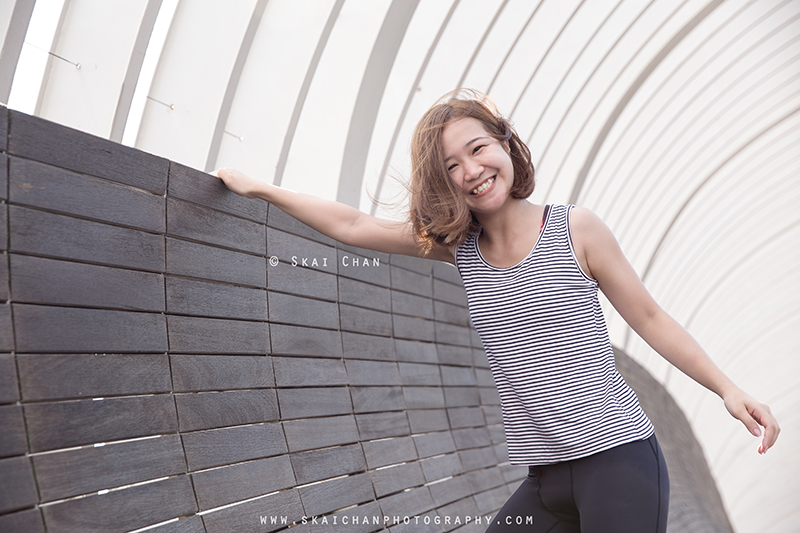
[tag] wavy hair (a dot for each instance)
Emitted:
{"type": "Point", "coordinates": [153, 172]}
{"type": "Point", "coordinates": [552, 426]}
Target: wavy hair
{"type": "Point", "coordinates": [438, 211]}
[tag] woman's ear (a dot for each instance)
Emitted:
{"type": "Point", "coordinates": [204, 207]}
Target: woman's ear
{"type": "Point", "coordinates": [507, 146]}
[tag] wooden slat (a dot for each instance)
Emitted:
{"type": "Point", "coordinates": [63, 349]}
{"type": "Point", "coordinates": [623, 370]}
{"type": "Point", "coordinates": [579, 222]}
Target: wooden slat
{"type": "Point", "coordinates": [247, 517]}
{"type": "Point", "coordinates": [205, 449]}
{"type": "Point", "coordinates": [432, 444]}
{"type": "Point", "coordinates": [328, 462]}
{"type": "Point", "coordinates": [55, 189]}
{"type": "Point", "coordinates": [457, 375]}
{"type": "Point", "coordinates": [220, 372]}
{"type": "Point", "coordinates": [377, 399]}
{"type": "Point", "coordinates": [54, 377]}
{"type": "Point", "coordinates": [73, 472]}
{"type": "Point", "coordinates": [221, 486]}
{"type": "Point", "coordinates": [424, 397]}
{"type": "Point", "coordinates": [461, 396]}
{"type": "Point", "coordinates": [419, 374]}
{"type": "Point", "coordinates": [13, 440]}
{"type": "Point", "coordinates": [411, 282]}
{"type": "Point", "coordinates": [404, 303]}
{"type": "Point", "coordinates": [206, 225]}
{"type": "Point", "coordinates": [362, 294]}
{"type": "Point", "coordinates": [42, 233]}
{"type": "Point", "coordinates": [440, 467]}
{"type": "Point", "coordinates": [455, 355]}
{"type": "Point", "coordinates": [308, 434]}
{"type": "Point", "coordinates": [382, 425]}
{"type": "Point", "coordinates": [427, 420]}
{"type": "Point", "coordinates": [62, 424]}
{"type": "Point", "coordinates": [464, 417]}
{"type": "Point", "coordinates": [18, 489]}
{"type": "Point", "coordinates": [64, 329]}
{"type": "Point", "coordinates": [41, 140]}
{"type": "Point", "coordinates": [479, 458]}
{"type": "Point", "coordinates": [6, 329]}
{"type": "Point", "coordinates": [389, 451]}
{"type": "Point", "coordinates": [204, 189]}
{"type": "Point", "coordinates": [50, 281]}
{"type": "Point", "coordinates": [372, 372]}
{"type": "Point", "coordinates": [472, 438]}
{"type": "Point", "coordinates": [448, 292]}
{"type": "Point", "coordinates": [123, 510]}
{"type": "Point", "coordinates": [3, 226]}
{"type": "Point", "coordinates": [334, 494]}
{"type": "Point", "coordinates": [308, 371]}
{"type": "Point", "coordinates": [9, 388]}
{"type": "Point", "coordinates": [415, 352]}
{"type": "Point", "coordinates": [452, 334]}
{"type": "Point", "coordinates": [449, 491]}
{"type": "Point", "coordinates": [308, 402]}
{"type": "Point", "coordinates": [361, 346]}
{"type": "Point", "coordinates": [453, 314]}
{"type": "Point", "coordinates": [298, 340]}
{"type": "Point", "coordinates": [4, 276]}
{"type": "Point", "coordinates": [418, 329]}
{"type": "Point", "coordinates": [190, 297]}
{"type": "Point", "coordinates": [27, 521]}
{"type": "Point", "coordinates": [208, 410]}
{"type": "Point", "coordinates": [211, 335]}
{"type": "Point", "coordinates": [212, 263]}
{"type": "Point", "coordinates": [189, 524]}
{"type": "Point", "coordinates": [289, 309]}
{"type": "Point", "coordinates": [363, 320]}
{"type": "Point", "coordinates": [447, 272]}
{"type": "Point", "coordinates": [396, 479]}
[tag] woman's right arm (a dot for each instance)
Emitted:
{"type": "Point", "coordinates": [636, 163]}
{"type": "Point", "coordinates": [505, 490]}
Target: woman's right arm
{"type": "Point", "coordinates": [342, 222]}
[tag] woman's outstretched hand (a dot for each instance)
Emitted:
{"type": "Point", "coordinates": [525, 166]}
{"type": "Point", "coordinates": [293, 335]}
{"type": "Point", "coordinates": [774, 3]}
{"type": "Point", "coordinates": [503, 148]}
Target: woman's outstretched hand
{"type": "Point", "coordinates": [238, 182]}
{"type": "Point", "coordinates": [752, 413]}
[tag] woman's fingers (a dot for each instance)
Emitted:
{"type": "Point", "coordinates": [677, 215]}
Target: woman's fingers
{"type": "Point", "coordinates": [762, 413]}
{"type": "Point", "coordinates": [755, 415]}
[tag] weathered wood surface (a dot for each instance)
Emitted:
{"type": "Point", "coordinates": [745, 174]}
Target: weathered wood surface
{"type": "Point", "coordinates": [157, 368]}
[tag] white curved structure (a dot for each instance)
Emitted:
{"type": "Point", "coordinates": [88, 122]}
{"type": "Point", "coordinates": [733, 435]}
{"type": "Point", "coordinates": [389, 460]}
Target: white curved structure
{"type": "Point", "coordinates": [677, 121]}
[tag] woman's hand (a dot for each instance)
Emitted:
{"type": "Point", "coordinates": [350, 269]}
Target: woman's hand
{"type": "Point", "coordinates": [238, 182]}
{"type": "Point", "coordinates": [753, 414]}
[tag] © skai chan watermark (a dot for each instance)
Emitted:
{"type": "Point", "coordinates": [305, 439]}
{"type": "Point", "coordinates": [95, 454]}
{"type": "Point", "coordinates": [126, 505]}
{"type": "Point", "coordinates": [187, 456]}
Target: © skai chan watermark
{"type": "Point", "coordinates": [347, 261]}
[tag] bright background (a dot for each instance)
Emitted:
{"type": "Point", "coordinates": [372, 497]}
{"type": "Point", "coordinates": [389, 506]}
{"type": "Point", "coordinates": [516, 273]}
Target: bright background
{"type": "Point", "coordinates": [677, 121]}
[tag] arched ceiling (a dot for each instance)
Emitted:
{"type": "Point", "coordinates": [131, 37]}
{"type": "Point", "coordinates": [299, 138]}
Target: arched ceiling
{"type": "Point", "coordinates": [677, 121]}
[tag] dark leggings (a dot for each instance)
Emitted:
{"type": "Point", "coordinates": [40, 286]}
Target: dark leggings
{"type": "Point", "coordinates": [624, 489]}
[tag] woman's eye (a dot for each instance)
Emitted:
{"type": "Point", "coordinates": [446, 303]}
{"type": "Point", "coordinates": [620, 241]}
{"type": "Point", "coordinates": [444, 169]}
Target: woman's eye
{"type": "Point", "coordinates": [478, 148]}
{"type": "Point", "coordinates": [451, 167]}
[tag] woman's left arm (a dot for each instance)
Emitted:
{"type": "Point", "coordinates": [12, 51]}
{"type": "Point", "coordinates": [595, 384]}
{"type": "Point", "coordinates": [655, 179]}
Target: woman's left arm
{"type": "Point", "coordinates": [601, 257]}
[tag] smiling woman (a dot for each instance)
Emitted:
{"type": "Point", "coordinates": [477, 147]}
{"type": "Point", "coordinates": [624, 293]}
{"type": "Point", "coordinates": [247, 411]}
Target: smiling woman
{"type": "Point", "coordinates": [594, 462]}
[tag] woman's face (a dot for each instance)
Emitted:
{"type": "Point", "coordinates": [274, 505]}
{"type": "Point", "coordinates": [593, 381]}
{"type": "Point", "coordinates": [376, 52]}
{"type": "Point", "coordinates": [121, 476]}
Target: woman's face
{"type": "Point", "coordinates": [478, 164]}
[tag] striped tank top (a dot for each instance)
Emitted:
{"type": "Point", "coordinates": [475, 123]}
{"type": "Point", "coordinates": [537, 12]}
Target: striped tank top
{"type": "Point", "coordinates": [548, 347]}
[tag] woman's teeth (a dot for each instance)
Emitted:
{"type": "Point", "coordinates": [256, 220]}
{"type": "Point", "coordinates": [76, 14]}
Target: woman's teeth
{"type": "Point", "coordinates": [484, 186]}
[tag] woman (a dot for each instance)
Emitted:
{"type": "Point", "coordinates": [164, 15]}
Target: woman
{"type": "Point", "coordinates": [531, 274]}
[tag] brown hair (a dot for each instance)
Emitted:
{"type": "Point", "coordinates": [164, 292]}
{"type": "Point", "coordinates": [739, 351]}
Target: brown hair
{"type": "Point", "coordinates": [438, 210]}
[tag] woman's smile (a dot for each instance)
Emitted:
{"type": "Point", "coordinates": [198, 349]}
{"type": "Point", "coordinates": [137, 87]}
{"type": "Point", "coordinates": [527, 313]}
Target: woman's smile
{"type": "Point", "coordinates": [483, 187]}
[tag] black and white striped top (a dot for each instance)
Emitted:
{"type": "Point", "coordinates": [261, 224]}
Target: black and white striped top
{"type": "Point", "coordinates": [547, 343]}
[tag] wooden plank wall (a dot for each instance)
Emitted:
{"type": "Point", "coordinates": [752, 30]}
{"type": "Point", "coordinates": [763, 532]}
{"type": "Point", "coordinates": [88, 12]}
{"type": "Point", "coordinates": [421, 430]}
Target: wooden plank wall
{"type": "Point", "coordinates": [156, 365]}
{"type": "Point", "coordinates": [158, 371]}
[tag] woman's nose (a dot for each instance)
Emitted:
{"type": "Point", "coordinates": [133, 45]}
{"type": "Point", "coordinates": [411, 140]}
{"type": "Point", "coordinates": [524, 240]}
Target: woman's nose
{"type": "Point", "coordinates": [473, 170]}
